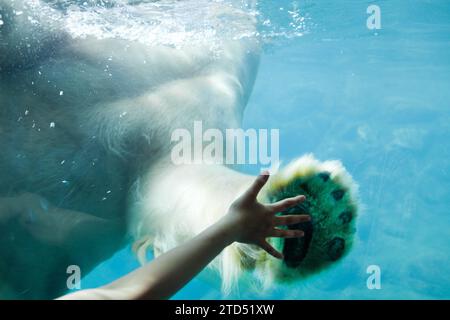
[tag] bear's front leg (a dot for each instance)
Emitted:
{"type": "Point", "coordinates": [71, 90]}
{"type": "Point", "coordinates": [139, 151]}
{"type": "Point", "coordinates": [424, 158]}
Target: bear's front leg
{"type": "Point", "coordinates": [174, 203]}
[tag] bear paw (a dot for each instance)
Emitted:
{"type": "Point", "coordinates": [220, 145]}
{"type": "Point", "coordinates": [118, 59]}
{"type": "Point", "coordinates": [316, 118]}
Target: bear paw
{"type": "Point", "coordinates": [332, 203]}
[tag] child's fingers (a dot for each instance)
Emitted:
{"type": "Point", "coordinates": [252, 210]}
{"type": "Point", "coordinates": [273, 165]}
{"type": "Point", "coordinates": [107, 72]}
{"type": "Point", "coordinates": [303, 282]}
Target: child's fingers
{"type": "Point", "coordinates": [291, 219]}
{"type": "Point", "coordinates": [270, 250]}
{"type": "Point", "coordinates": [286, 203]}
{"type": "Point", "coordinates": [257, 185]}
{"type": "Point", "coordinates": [279, 233]}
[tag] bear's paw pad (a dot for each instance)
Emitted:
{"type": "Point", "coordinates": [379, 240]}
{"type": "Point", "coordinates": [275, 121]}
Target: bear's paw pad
{"type": "Point", "coordinates": [331, 201]}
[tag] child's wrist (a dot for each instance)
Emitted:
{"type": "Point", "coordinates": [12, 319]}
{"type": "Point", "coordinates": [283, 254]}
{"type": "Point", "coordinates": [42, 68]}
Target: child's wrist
{"type": "Point", "coordinates": [228, 228]}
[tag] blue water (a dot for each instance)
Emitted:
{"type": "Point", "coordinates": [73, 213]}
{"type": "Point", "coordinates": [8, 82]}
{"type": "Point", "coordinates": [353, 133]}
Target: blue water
{"type": "Point", "coordinates": [379, 100]}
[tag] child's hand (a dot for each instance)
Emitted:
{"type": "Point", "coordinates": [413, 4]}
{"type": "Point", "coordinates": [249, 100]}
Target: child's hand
{"type": "Point", "coordinates": [252, 222]}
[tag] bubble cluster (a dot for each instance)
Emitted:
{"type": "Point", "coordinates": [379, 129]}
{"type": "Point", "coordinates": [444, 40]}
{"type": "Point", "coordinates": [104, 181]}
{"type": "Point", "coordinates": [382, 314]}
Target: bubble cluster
{"type": "Point", "coordinates": [169, 23]}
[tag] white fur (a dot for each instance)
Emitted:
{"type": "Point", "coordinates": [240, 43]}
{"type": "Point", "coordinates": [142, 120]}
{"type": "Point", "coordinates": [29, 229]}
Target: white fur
{"type": "Point", "coordinates": [146, 93]}
{"type": "Point", "coordinates": [120, 95]}
{"type": "Point", "coordinates": [174, 203]}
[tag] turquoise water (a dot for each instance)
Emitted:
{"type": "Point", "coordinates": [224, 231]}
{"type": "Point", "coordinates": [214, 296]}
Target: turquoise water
{"type": "Point", "coordinates": [379, 100]}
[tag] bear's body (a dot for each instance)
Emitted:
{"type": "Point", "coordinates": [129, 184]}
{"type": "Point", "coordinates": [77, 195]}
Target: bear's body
{"type": "Point", "coordinates": [86, 117]}
{"type": "Point", "coordinates": [82, 118]}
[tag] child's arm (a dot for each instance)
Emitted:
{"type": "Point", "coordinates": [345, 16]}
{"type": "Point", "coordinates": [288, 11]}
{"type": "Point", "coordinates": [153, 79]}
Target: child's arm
{"type": "Point", "coordinates": [247, 221]}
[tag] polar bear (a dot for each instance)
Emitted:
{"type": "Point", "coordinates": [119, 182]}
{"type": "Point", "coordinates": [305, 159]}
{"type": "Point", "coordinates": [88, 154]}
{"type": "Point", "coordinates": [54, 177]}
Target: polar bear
{"type": "Point", "coordinates": [89, 97]}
